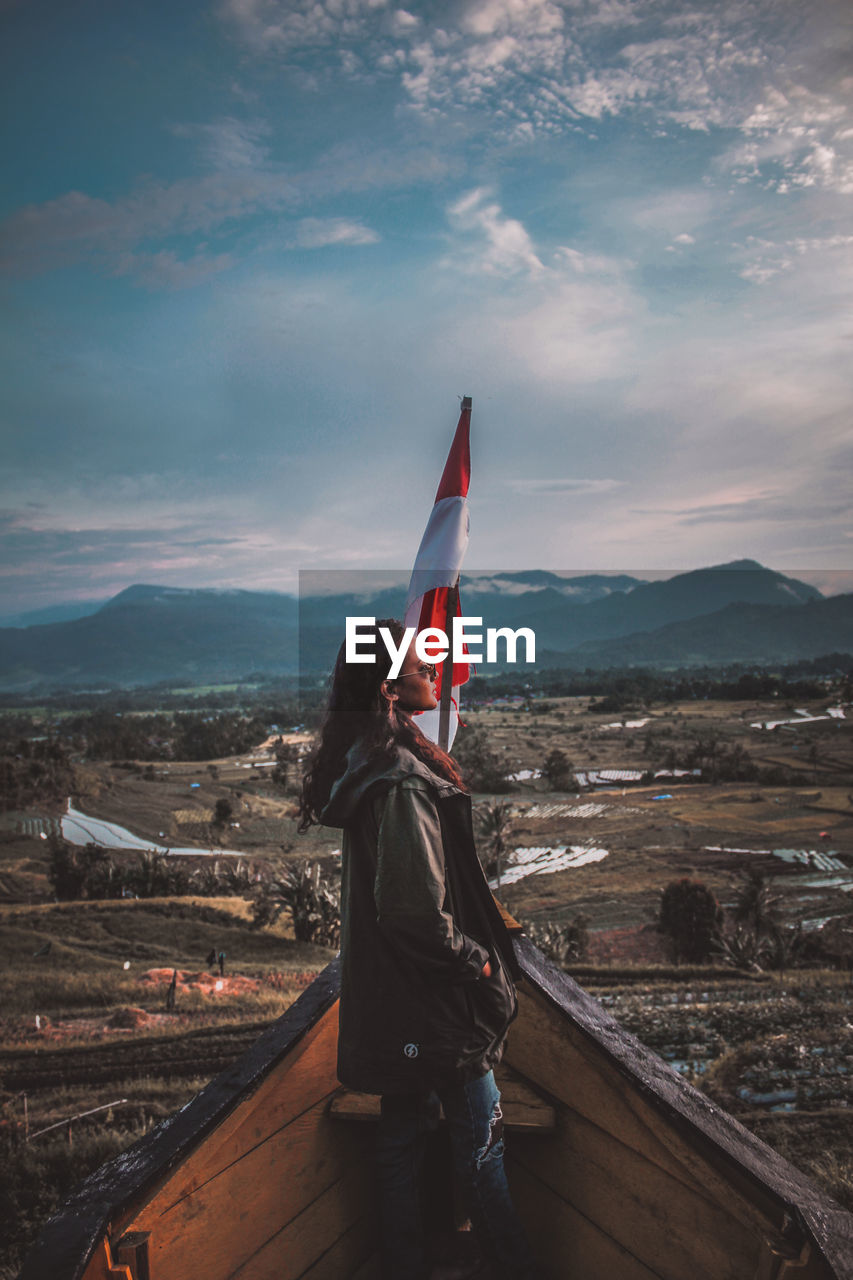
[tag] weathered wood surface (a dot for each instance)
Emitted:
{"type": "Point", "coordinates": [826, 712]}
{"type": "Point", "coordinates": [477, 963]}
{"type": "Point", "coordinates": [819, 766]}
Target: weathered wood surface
{"type": "Point", "coordinates": [652, 1110]}
{"type": "Point", "coordinates": [102, 1265]}
{"type": "Point", "coordinates": [75, 1234]}
{"type": "Point", "coordinates": [641, 1207]}
{"type": "Point", "coordinates": [524, 1110]}
{"type": "Point", "coordinates": [642, 1176]}
{"type": "Point", "coordinates": [326, 1240]}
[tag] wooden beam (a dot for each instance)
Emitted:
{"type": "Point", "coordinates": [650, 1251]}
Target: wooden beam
{"type": "Point", "coordinates": [132, 1252]}
{"type": "Point", "coordinates": [524, 1109]}
{"type": "Point", "coordinates": [447, 670]}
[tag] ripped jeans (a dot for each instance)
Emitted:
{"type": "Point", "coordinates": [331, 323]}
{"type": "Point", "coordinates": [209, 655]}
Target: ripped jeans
{"type": "Point", "coordinates": [476, 1133]}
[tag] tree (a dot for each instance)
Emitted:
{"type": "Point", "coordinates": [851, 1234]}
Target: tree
{"type": "Point", "coordinates": [482, 767]}
{"type": "Point", "coordinates": [691, 918]}
{"type": "Point", "coordinates": [755, 905]}
{"type": "Point", "coordinates": [313, 902]}
{"type": "Point", "coordinates": [557, 768]}
{"type": "Point", "coordinates": [494, 824]}
{"type": "Point", "coordinates": [287, 756]}
{"type": "Point", "coordinates": [563, 943]}
{"type": "Point", "coordinates": [223, 811]}
{"type": "Point", "coordinates": [65, 872]}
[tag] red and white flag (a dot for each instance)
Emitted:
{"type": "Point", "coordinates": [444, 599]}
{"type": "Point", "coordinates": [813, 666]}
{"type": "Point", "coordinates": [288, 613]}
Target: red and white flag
{"type": "Point", "coordinates": [439, 561]}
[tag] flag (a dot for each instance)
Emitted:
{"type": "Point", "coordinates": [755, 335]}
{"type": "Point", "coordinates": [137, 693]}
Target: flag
{"type": "Point", "coordinates": [439, 561]}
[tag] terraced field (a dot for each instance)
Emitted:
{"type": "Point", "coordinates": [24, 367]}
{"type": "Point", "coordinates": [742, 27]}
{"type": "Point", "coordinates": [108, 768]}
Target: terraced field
{"type": "Point", "coordinates": [82, 1029]}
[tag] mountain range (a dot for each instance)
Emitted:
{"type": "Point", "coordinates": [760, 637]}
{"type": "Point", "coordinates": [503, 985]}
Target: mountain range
{"type": "Point", "coordinates": [147, 634]}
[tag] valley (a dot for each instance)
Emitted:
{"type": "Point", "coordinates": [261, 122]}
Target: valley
{"type": "Point", "coordinates": [695, 789]}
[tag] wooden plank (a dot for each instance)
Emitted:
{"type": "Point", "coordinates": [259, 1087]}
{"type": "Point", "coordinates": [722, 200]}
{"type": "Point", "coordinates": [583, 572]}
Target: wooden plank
{"type": "Point", "coordinates": [228, 1217]}
{"type": "Point", "coordinates": [524, 1110]}
{"type": "Point", "coordinates": [673, 1230]}
{"type": "Point", "coordinates": [302, 1248]}
{"type": "Point", "coordinates": [132, 1250]}
{"type": "Point", "coordinates": [305, 1078]}
{"type": "Point", "coordinates": [102, 1266]}
{"type": "Point", "coordinates": [369, 1270]}
{"type": "Point", "coordinates": [730, 1161]}
{"type": "Point", "coordinates": [349, 1105]}
{"type": "Point", "coordinates": [352, 1253]}
{"type": "Point", "coordinates": [511, 923]}
{"type": "Point", "coordinates": [565, 1242]}
{"type": "Point", "coordinates": [105, 1200]}
{"type": "Point", "coordinates": [557, 1057]}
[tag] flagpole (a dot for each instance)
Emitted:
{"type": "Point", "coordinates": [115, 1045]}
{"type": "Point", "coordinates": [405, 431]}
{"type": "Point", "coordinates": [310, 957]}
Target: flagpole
{"type": "Point", "coordinates": [447, 671]}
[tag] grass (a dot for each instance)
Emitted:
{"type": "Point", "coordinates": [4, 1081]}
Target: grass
{"type": "Point", "coordinates": [37, 1177]}
{"type": "Point", "coordinates": [83, 971]}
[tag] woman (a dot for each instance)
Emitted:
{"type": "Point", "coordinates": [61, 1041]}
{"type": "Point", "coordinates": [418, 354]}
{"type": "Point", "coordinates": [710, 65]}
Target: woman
{"type": "Point", "coordinates": [426, 987]}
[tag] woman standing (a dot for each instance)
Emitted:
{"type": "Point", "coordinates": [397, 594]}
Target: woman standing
{"type": "Point", "coordinates": [427, 964]}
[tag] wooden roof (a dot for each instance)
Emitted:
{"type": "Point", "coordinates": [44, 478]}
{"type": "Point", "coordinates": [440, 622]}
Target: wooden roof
{"type": "Point", "coordinates": [69, 1239]}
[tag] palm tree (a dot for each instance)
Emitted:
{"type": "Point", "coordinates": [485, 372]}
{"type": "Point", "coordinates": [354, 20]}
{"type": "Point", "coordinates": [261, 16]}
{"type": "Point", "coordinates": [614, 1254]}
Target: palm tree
{"type": "Point", "coordinates": [756, 905]}
{"type": "Point", "coordinates": [494, 825]}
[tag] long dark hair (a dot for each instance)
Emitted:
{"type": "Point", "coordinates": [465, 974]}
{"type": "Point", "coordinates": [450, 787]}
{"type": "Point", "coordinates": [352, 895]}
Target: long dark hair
{"type": "Point", "coordinates": [360, 708]}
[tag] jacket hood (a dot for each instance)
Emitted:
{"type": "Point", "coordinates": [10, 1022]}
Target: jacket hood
{"type": "Point", "coordinates": [363, 773]}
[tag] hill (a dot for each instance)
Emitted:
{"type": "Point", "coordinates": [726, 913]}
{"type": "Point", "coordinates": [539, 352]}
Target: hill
{"type": "Point", "coordinates": [149, 634]}
{"type": "Point", "coordinates": [737, 633]}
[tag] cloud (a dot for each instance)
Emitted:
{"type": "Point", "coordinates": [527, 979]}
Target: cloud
{"type": "Point", "coordinates": [540, 67]}
{"type": "Point", "coordinates": [404, 22]}
{"type": "Point", "coordinates": [493, 243]}
{"type": "Point", "coordinates": [50, 559]}
{"type": "Point", "coordinates": [165, 270]}
{"type": "Point", "coordinates": [280, 25]}
{"type": "Point", "coordinates": [795, 138]}
{"type": "Point", "coordinates": [563, 319]}
{"type": "Point", "coordinates": [765, 258]}
{"type": "Point", "coordinates": [230, 144]}
{"type": "Point", "coordinates": [115, 235]}
{"type": "Point", "coordinates": [316, 233]}
{"type": "Point", "coordinates": [590, 263]}
{"type": "Point", "coordinates": [575, 486]}
{"type": "Point", "coordinates": [77, 225]}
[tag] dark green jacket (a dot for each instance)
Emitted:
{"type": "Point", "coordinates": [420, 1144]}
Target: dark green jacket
{"type": "Point", "coordinates": [418, 924]}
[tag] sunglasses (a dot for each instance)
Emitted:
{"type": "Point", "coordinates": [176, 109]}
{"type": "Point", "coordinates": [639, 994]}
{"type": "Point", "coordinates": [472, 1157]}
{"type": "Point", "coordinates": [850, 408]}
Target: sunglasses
{"type": "Point", "coordinates": [429, 671]}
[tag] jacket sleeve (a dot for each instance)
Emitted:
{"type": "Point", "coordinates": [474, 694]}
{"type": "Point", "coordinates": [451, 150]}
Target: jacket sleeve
{"type": "Point", "coordinates": [410, 887]}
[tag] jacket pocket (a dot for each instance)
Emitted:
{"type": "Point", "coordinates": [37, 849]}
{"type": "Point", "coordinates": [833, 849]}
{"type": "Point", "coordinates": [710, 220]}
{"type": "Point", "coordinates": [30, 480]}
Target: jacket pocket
{"type": "Point", "coordinates": [493, 1000]}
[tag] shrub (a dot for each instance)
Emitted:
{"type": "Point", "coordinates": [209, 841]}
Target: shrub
{"type": "Point", "coordinates": [312, 900]}
{"type": "Point", "coordinates": [557, 768]}
{"type": "Point", "coordinates": [222, 812]}
{"type": "Point", "coordinates": [563, 943]}
{"type": "Point", "coordinates": [691, 918]}
{"type": "Point", "coordinates": [483, 769]}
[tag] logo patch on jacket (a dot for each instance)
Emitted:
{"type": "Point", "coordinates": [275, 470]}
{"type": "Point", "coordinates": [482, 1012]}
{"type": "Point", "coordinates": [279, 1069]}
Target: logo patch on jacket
{"type": "Point", "coordinates": [411, 1050]}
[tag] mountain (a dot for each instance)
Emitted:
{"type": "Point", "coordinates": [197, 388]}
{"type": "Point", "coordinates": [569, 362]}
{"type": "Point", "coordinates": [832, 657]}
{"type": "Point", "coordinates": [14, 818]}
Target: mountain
{"type": "Point", "coordinates": [737, 633]}
{"type": "Point", "coordinates": [500, 599]}
{"type": "Point", "coordinates": [563, 626]}
{"type": "Point", "coordinates": [149, 634]}
{"type": "Point", "coordinates": [53, 613]}
{"type": "Point", "coordinates": [582, 589]}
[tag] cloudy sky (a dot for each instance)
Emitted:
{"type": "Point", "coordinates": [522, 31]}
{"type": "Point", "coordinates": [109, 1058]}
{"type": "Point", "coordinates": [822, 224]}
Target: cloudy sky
{"type": "Point", "coordinates": [253, 251]}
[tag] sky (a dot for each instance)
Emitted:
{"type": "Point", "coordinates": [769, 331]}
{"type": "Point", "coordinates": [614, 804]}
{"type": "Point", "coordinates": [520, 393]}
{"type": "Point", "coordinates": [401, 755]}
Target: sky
{"type": "Point", "coordinates": [252, 253]}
